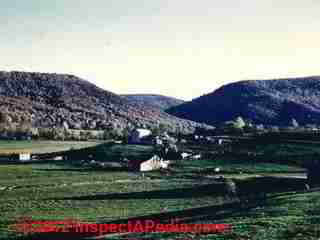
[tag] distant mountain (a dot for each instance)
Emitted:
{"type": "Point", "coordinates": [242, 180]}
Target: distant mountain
{"type": "Point", "coordinates": [155, 101]}
{"type": "Point", "coordinates": [273, 102]}
{"type": "Point", "coordinates": [50, 100]}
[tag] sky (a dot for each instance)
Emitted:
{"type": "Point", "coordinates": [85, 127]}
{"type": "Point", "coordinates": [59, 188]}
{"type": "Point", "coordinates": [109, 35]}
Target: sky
{"type": "Point", "coordinates": [179, 48]}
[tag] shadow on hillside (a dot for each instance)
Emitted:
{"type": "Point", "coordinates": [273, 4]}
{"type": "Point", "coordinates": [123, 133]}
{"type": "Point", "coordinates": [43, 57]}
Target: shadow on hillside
{"type": "Point", "coordinates": [257, 185]}
{"type": "Point", "coordinates": [247, 188]}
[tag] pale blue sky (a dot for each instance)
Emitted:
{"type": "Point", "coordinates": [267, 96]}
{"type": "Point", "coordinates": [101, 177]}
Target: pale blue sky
{"type": "Point", "coordinates": [181, 48]}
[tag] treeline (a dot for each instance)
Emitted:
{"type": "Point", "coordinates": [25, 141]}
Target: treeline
{"type": "Point", "coordinates": [58, 133]}
{"type": "Point", "coordinates": [23, 129]}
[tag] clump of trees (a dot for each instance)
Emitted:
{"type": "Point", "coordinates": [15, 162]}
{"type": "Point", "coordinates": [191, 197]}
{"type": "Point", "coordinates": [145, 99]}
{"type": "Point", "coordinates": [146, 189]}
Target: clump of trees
{"type": "Point", "coordinates": [236, 126]}
{"type": "Point", "coordinates": [239, 123]}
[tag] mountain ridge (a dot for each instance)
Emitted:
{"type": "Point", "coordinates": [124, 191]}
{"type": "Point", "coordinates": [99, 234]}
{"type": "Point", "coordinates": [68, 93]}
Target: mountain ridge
{"type": "Point", "coordinates": [273, 102]}
{"type": "Point", "coordinates": [51, 100]}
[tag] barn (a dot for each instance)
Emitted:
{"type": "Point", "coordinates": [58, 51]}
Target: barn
{"type": "Point", "coordinates": [147, 163]}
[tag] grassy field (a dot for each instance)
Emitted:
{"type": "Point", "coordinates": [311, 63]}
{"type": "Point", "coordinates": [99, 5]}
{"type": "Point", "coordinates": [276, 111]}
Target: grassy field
{"type": "Point", "coordinates": [10, 147]}
{"type": "Point", "coordinates": [275, 207]}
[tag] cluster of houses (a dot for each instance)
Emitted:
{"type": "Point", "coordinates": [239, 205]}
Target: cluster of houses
{"type": "Point", "coordinates": [144, 136]}
{"type": "Point", "coordinates": [168, 151]}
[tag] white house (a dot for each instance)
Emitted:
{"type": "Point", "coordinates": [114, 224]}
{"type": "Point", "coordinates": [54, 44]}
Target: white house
{"type": "Point", "coordinates": [24, 157]}
{"type": "Point", "coordinates": [137, 135]}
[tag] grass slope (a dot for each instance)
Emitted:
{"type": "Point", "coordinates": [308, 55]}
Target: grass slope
{"type": "Point", "coordinates": [276, 207]}
{"type": "Point", "coordinates": [9, 147]}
